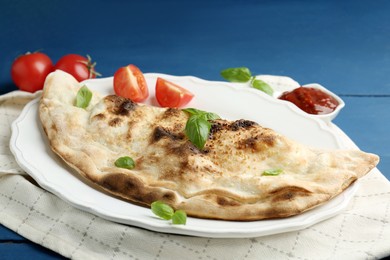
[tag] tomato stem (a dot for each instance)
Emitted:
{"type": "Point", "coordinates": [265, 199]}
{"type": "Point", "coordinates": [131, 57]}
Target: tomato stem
{"type": "Point", "coordinates": [90, 67]}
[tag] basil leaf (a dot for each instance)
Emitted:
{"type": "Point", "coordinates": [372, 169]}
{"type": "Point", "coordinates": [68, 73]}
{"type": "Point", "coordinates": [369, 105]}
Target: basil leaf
{"type": "Point", "coordinates": [197, 130]}
{"type": "Point", "coordinates": [198, 126]}
{"type": "Point", "coordinates": [162, 210]}
{"type": "Point", "coordinates": [241, 74]}
{"type": "Point", "coordinates": [179, 218]}
{"type": "Point", "coordinates": [193, 111]}
{"type": "Point", "coordinates": [125, 162]}
{"type": "Point", "coordinates": [210, 116]}
{"type": "Point", "coordinates": [261, 85]}
{"type": "Point", "coordinates": [83, 97]}
{"type": "Point", "coordinates": [272, 172]}
{"type": "Point", "coordinates": [204, 114]}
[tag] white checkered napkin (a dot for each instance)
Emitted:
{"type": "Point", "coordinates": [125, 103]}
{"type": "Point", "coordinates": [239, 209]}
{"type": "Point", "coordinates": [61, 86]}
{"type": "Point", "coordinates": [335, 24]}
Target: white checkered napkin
{"type": "Point", "coordinates": [11, 105]}
{"type": "Point", "coordinates": [361, 232]}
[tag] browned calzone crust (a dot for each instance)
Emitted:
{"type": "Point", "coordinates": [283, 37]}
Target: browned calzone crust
{"type": "Point", "coordinates": [223, 181]}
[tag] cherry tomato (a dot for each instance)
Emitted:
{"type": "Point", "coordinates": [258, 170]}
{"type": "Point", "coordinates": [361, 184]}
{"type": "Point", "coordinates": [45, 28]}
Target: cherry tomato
{"type": "Point", "coordinates": [169, 94]}
{"type": "Point", "coordinates": [129, 82]}
{"type": "Point", "coordinates": [78, 66]}
{"type": "Point", "coordinates": [29, 71]}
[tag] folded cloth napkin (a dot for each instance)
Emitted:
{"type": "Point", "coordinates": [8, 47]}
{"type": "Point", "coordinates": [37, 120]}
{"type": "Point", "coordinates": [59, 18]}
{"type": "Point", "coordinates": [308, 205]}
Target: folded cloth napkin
{"type": "Point", "coordinates": [362, 231]}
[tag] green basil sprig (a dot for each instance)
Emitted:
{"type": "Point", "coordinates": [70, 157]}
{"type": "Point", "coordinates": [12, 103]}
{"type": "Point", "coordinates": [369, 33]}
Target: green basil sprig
{"type": "Point", "coordinates": [179, 217]}
{"type": "Point", "coordinates": [261, 85]}
{"type": "Point", "coordinates": [197, 112]}
{"type": "Point", "coordinates": [125, 162]}
{"type": "Point", "coordinates": [164, 211]}
{"type": "Point", "coordinates": [83, 97]}
{"type": "Point", "coordinates": [242, 75]}
{"type": "Point", "coordinates": [197, 130]}
{"type": "Point", "coordinates": [198, 126]}
{"type": "Point", "coordinates": [272, 172]}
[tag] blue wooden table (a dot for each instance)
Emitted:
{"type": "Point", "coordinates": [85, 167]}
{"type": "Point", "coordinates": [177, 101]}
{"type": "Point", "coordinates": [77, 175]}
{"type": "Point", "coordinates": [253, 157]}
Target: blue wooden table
{"type": "Point", "coordinates": [343, 45]}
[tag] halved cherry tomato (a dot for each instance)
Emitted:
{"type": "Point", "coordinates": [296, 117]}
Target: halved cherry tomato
{"type": "Point", "coordinates": [129, 82]}
{"type": "Point", "coordinates": [169, 94]}
{"type": "Point", "coordinates": [29, 71]}
{"type": "Point", "coordinates": [78, 66]}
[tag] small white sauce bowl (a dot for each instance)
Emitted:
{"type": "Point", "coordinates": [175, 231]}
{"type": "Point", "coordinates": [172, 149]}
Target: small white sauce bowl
{"type": "Point", "coordinates": [281, 84]}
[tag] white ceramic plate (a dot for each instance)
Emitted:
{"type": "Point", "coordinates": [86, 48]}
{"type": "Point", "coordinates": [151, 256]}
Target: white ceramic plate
{"type": "Point", "coordinates": [32, 152]}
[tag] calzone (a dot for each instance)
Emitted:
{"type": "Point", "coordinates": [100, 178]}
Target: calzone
{"type": "Point", "coordinates": [244, 172]}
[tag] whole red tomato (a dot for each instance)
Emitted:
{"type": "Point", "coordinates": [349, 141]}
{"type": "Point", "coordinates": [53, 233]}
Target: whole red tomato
{"type": "Point", "coordinates": [78, 66]}
{"type": "Point", "coordinates": [29, 71]}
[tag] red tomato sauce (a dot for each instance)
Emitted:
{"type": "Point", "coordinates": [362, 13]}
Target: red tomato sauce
{"type": "Point", "coordinates": [311, 100]}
